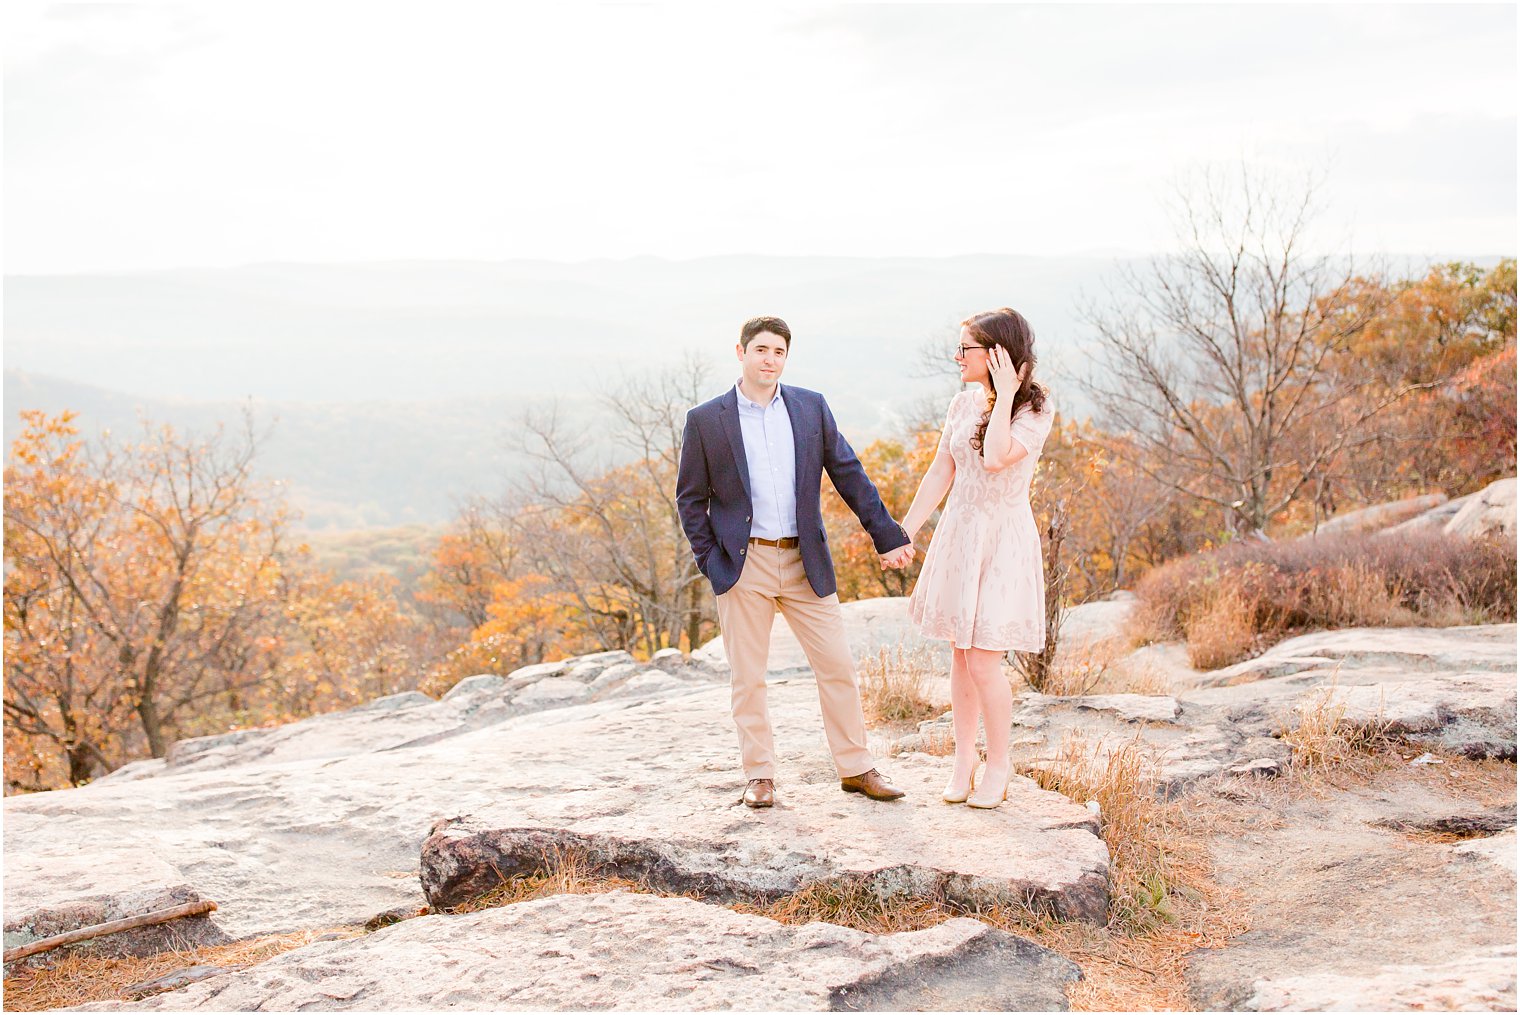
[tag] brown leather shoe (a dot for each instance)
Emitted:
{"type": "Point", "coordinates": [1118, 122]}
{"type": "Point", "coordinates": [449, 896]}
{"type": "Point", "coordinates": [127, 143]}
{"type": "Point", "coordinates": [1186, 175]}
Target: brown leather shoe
{"type": "Point", "coordinates": [760, 793]}
{"type": "Point", "coordinates": [872, 785]}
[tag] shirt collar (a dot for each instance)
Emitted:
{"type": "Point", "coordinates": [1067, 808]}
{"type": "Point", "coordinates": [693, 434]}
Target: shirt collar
{"type": "Point", "coordinates": [745, 400]}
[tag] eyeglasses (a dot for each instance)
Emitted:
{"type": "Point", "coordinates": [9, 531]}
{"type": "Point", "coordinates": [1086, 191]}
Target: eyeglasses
{"type": "Point", "coordinates": [961, 349]}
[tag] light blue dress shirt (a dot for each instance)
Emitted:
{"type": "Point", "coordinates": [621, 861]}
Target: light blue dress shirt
{"type": "Point", "coordinates": [772, 459]}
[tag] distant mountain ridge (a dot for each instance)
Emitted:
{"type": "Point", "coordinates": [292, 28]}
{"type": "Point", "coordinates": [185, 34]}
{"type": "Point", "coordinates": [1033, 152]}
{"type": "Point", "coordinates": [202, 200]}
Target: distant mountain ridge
{"type": "Point", "coordinates": [396, 385]}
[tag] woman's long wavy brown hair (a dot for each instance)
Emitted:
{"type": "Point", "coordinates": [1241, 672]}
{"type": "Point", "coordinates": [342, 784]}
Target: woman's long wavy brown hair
{"type": "Point", "coordinates": [1008, 328]}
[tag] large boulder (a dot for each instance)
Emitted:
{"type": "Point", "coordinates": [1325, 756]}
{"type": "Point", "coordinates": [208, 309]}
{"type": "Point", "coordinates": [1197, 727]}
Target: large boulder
{"type": "Point", "coordinates": [1380, 516]}
{"type": "Point", "coordinates": [622, 952]}
{"type": "Point", "coordinates": [1490, 511]}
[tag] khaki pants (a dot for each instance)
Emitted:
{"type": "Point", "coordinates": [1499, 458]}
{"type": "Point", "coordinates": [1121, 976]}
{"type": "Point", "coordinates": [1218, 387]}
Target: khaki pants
{"type": "Point", "coordinates": [773, 578]}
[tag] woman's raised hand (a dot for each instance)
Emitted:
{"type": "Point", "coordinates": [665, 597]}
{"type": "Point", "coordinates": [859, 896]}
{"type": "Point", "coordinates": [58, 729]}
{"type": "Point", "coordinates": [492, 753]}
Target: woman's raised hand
{"type": "Point", "coordinates": [1004, 377]}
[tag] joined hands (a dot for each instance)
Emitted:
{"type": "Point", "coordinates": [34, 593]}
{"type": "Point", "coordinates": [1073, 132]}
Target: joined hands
{"type": "Point", "coordinates": [897, 559]}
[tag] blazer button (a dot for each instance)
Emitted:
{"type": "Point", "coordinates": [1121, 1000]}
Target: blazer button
{"type": "Point", "coordinates": [741, 552]}
{"type": "Point", "coordinates": [746, 517]}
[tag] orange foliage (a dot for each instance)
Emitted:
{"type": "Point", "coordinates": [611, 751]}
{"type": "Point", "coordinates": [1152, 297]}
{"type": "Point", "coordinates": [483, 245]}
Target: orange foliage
{"type": "Point", "coordinates": [148, 597]}
{"type": "Point", "coordinates": [896, 469]}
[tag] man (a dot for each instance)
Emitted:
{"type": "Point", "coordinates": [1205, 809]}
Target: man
{"type": "Point", "coordinates": [752, 463]}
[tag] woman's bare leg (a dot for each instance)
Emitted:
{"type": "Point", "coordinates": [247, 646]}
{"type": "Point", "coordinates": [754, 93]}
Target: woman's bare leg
{"type": "Point", "coordinates": [996, 699]}
{"type": "Point", "coordinates": [964, 711]}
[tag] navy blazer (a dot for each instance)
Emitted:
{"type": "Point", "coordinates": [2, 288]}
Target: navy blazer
{"type": "Point", "coordinates": [712, 488]}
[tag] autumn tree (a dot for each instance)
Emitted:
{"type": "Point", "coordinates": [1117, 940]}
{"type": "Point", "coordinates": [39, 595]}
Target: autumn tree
{"type": "Point", "coordinates": [1450, 335]}
{"type": "Point", "coordinates": [337, 643]}
{"type": "Point", "coordinates": [151, 594]}
{"type": "Point", "coordinates": [895, 466]}
{"type": "Point", "coordinates": [1216, 362]}
{"type": "Point", "coordinates": [469, 562]}
{"type": "Point", "coordinates": [156, 561]}
{"type": "Point", "coordinates": [609, 535]}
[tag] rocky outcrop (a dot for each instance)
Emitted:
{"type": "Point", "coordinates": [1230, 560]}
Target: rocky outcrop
{"type": "Point", "coordinates": [1481, 982]}
{"type": "Point", "coordinates": [675, 819]}
{"type": "Point", "coordinates": [1451, 688]}
{"type": "Point", "coordinates": [412, 719]}
{"type": "Point", "coordinates": [290, 843]}
{"type": "Point", "coordinates": [1446, 688]}
{"type": "Point", "coordinates": [636, 952]}
{"type": "Point", "coordinates": [1489, 512]}
{"type": "Point", "coordinates": [1186, 742]}
{"type": "Point", "coordinates": [1388, 654]}
{"type": "Point", "coordinates": [1380, 516]}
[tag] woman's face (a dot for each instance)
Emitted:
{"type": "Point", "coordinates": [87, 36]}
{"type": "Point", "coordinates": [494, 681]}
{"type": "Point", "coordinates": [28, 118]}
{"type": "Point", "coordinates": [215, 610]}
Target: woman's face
{"type": "Point", "coordinates": [971, 356]}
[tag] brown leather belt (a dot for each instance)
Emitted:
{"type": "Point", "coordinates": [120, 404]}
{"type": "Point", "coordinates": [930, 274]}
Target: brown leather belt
{"type": "Point", "coordinates": [786, 542]}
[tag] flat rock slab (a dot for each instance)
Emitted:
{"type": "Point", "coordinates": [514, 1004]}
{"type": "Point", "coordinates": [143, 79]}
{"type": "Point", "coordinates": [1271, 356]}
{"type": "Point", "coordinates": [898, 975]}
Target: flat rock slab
{"type": "Point", "coordinates": [1392, 653]}
{"type": "Point", "coordinates": [1498, 850]}
{"type": "Point", "coordinates": [317, 843]}
{"type": "Point", "coordinates": [679, 823]}
{"type": "Point", "coordinates": [1186, 743]}
{"type": "Point", "coordinates": [1480, 982]}
{"type": "Point", "coordinates": [409, 719]}
{"type": "Point", "coordinates": [1347, 911]}
{"type": "Point", "coordinates": [638, 952]}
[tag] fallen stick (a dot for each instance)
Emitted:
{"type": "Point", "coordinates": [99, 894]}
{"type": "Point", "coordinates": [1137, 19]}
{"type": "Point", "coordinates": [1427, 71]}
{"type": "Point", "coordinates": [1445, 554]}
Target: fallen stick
{"type": "Point", "coordinates": [47, 944]}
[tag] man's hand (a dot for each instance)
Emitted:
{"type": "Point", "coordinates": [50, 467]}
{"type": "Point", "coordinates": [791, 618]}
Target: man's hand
{"type": "Point", "coordinates": [898, 558]}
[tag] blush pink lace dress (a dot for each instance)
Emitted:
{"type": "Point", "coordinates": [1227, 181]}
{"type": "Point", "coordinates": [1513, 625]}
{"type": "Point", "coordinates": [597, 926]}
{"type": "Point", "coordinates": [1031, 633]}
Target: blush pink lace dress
{"type": "Point", "coordinates": [983, 580]}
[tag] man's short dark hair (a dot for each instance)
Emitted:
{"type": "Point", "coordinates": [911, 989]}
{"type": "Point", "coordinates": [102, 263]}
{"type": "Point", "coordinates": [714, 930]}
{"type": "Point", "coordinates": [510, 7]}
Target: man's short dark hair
{"type": "Point", "coordinates": [774, 325]}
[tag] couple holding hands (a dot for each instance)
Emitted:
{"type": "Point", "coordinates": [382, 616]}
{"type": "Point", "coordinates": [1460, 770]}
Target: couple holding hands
{"type": "Point", "coordinates": [748, 491]}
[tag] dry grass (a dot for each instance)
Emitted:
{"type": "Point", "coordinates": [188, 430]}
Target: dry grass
{"type": "Point", "coordinates": [895, 685]}
{"type": "Point", "coordinates": [79, 979]}
{"type": "Point", "coordinates": [939, 741]}
{"type": "Point", "coordinates": [852, 903]}
{"type": "Point", "coordinates": [1146, 872]}
{"type": "Point", "coordinates": [1323, 738]}
{"type": "Point", "coordinates": [1236, 601]}
{"type": "Point", "coordinates": [1221, 632]}
{"type": "Point", "coordinates": [1130, 677]}
{"type": "Point", "coordinates": [1075, 670]}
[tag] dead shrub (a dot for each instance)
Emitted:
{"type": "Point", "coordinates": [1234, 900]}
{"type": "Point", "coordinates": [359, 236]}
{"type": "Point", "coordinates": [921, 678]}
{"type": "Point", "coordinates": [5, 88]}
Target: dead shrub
{"type": "Point", "coordinates": [1244, 597]}
{"type": "Point", "coordinates": [1141, 830]}
{"type": "Point", "coordinates": [1323, 738]}
{"type": "Point", "coordinates": [894, 685]}
{"type": "Point", "coordinates": [1221, 632]}
{"type": "Point", "coordinates": [938, 741]}
{"type": "Point", "coordinates": [853, 903]}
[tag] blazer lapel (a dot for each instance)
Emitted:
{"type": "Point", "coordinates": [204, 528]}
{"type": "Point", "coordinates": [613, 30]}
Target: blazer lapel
{"type": "Point", "coordinates": [800, 446]}
{"type": "Point", "coordinates": [729, 414]}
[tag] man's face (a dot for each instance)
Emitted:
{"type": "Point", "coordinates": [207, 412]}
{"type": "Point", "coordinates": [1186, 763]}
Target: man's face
{"type": "Point", "coordinates": [763, 359]}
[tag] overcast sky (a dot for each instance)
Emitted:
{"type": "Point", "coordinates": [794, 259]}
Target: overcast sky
{"type": "Point", "coordinates": [226, 133]}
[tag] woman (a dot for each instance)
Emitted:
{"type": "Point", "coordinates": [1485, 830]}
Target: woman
{"type": "Point", "coordinates": [983, 582]}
